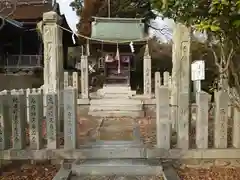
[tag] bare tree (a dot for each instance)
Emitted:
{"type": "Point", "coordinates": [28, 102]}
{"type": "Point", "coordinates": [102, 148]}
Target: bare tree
{"type": "Point", "coordinates": [7, 7]}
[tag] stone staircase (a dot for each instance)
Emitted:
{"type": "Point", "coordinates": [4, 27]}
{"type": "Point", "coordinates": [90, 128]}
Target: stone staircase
{"type": "Point", "coordinates": [116, 107]}
{"type": "Point", "coordinates": [116, 91]}
{"type": "Point", "coordinates": [115, 101]}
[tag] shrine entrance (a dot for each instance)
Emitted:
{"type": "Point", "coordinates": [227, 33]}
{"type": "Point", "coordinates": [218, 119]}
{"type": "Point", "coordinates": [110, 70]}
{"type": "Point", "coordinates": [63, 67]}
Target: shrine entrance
{"type": "Point", "coordinates": [117, 70]}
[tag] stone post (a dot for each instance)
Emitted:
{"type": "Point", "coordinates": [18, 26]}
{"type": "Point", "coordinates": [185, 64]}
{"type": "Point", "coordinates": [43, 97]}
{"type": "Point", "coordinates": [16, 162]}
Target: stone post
{"type": "Point", "coordinates": [236, 128]}
{"type": "Point", "coordinates": [66, 79]}
{"type": "Point", "coordinates": [183, 122]}
{"type": "Point", "coordinates": [75, 81]}
{"type": "Point", "coordinates": [202, 120]}
{"type": "Point", "coordinates": [5, 122]}
{"type": "Point", "coordinates": [53, 57]}
{"type": "Point", "coordinates": [166, 79]}
{"type": "Point", "coordinates": [70, 118]}
{"type": "Point", "coordinates": [17, 112]}
{"type": "Point", "coordinates": [147, 73]}
{"type": "Point", "coordinates": [157, 81]}
{"type": "Point", "coordinates": [52, 121]}
{"type": "Point", "coordinates": [84, 77]}
{"type": "Point", "coordinates": [35, 100]}
{"type": "Point", "coordinates": [181, 66]}
{"type": "Point", "coordinates": [221, 119]}
{"type": "Point", "coordinates": [162, 117]}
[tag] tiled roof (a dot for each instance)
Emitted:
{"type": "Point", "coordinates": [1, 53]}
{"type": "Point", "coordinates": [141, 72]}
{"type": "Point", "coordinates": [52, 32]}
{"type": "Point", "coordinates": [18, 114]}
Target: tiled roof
{"type": "Point", "coordinates": [27, 9]}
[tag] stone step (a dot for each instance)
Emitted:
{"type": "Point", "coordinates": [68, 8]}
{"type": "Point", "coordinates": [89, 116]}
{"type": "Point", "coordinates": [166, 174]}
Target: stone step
{"type": "Point", "coordinates": [118, 87]}
{"type": "Point", "coordinates": [138, 167]}
{"type": "Point", "coordinates": [113, 144]}
{"type": "Point", "coordinates": [120, 107]}
{"type": "Point", "coordinates": [132, 114]}
{"type": "Point", "coordinates": [116, 101]}
{"type": "Point", "coordinates": [118, 95]}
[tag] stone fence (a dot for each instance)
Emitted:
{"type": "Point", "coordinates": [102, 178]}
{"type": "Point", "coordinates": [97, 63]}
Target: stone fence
{"type": "Point", "coordinates": [13, 125]}
{"type": "Point", "coordinates": [222, 119]}
{"type": "Point", "coordinates": [14, 114]}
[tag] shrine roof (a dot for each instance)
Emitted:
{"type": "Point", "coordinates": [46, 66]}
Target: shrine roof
{"type": "Point", "coordinates": [27, 9]}
{"type": "Point", "coordinates": [117, 29]}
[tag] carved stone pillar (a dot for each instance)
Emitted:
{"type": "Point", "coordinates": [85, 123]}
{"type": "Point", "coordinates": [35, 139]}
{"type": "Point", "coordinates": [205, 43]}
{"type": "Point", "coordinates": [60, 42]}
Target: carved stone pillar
{"type": "Point", "coordinates": [53, 57]}
{"type": "Point", "coordinates": [181, 67]}
{"type": "Point", "coordinates": [84, 77]}
{"type": "Point", "coordinates": [147, 70]}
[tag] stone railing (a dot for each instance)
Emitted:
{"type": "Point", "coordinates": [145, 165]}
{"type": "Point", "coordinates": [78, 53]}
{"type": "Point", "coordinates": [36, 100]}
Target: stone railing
{"type": "Point", "coordinates": [14, 114]}
{"type": "Point", "coordinates": [204, 122]}
{"type": "Point", "coordinates": [14, 144]}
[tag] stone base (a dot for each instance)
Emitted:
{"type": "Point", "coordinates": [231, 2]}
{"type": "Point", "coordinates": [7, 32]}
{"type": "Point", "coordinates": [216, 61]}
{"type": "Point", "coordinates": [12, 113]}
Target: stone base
{"type": "Point", "coordinates": [116, 107]}
{"type": "Point", "coordinates": [116, 91]}
{"type": "Point", "coordinates": [117, 167]}
{"type": "Point", "coordinates": [116, 114]}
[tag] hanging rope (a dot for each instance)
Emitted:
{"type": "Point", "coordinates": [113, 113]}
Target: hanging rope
{"type": "Point", "coordinates": [109, 9]}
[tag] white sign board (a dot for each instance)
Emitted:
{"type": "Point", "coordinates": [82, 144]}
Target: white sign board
{"type": "Point", "coordinates": [198, 70]}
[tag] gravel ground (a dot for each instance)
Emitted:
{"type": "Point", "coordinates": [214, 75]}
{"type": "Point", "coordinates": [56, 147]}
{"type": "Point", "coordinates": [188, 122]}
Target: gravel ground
{"type": "Point", "coordinates": [215, 173]}
{"type": "Point", "coordinates": [17, 171]}
{"type": "Point", "coordinates": [122, 178]}
{"type": "Point", "coordinates": [148, 135]}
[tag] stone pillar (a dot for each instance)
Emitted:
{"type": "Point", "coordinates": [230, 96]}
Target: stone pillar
{"type": "Point", "coordinates": [35, 100]}
{"type": "Point", "coordinates": [70, 118]}
{"type": "Point", "coordinates": [181, 66]}
{"type": "Point", "coordinates": [236, 128]}
{"type": "Point", "coordinates": [162, 117]}
{"type": "Point", "coordinates": [157, 81]}
{"type": "Point", "coordinates": [75, 81]}
{"type": "Point", "coordinates": [202, 120]}
{"type": "Point", "coordinates": [52, 121]}
{"type": "Point", "coordinates": [66, 79]}
{"type": "Point", "coordinates": [84, 77]}
{"type": "Point", "coordinates": [53, 57]}
{"type": "Point", "coordinates": [183, 123]}
{"type": "Point", "coordinates": [166, 79]}
{"type": "Point", "coordinates": [5, 122]}
{"type": "Point", "coordinates": [147, 71]}
{"type": "Point", "coordinates": [17, 112]}
{"type": "Point", "coordinates": [221, 119]}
